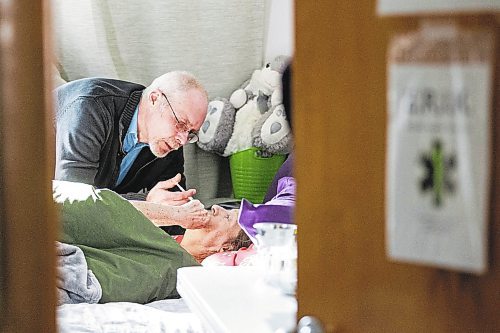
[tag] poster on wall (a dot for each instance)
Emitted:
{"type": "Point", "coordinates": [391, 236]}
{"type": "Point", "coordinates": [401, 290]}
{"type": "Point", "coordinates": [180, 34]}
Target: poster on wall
{"type": "Point", "coordinates": [405, 7]}
{"type": "Point", "coordinates": [439, 146]}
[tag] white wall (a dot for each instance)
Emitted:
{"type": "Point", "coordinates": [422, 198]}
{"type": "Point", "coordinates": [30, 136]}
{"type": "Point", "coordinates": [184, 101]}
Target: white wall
{"type": "Point", "coordinates": [280, 29]}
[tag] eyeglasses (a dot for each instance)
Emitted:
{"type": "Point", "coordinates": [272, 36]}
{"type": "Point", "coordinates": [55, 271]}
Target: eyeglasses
{"type": "Point", "coordinates": [181, 126]}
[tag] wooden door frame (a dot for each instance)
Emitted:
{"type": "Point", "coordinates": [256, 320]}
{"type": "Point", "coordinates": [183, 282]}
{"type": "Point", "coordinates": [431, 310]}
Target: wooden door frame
{"type": "Point", "coordinates": [28, 220]}
{"type": "Point", "coordinates": [345, 278]}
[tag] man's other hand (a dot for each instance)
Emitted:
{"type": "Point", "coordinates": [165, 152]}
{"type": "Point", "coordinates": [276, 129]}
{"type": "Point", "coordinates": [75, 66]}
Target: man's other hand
{"type": "Point", "coordinates": [160, 193]}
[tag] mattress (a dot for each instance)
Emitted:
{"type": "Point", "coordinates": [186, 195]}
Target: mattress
{"type": "Point", "coordinates": [166, 316]}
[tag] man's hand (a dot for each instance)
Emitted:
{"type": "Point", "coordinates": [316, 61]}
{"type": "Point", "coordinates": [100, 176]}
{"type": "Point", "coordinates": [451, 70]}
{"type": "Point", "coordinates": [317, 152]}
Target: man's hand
{"type": "Point", "coordinates": [160, 193]}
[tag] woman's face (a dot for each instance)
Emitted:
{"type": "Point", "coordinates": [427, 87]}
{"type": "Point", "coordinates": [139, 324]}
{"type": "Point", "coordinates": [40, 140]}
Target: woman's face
{"type": "Point", "coordinates": [219, 232]}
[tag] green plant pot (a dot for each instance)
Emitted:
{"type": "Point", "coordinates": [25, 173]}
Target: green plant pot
{"type": "Point", "coordinates": [251, 174]}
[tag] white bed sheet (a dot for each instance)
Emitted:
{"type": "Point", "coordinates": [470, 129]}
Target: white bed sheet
{"type": "Point", "coordinates": [167, 316]}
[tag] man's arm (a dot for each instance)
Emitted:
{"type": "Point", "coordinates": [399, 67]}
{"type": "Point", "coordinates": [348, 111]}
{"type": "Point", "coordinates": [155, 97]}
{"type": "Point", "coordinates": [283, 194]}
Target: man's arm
{"type": "Point", "coordinates": [80, 135]}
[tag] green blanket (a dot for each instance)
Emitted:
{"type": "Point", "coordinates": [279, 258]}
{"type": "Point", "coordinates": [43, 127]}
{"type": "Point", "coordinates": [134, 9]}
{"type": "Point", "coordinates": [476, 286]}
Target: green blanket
{"type": "Point", "coordinates": [133, 260]}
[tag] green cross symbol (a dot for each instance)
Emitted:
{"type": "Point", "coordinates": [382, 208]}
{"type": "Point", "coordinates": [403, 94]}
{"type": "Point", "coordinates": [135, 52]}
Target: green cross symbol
{"type": "Point", "coordinates": [438, 167]}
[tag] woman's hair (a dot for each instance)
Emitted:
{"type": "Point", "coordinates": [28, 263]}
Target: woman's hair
{"type": "Point", "coordinates": [242, 240]}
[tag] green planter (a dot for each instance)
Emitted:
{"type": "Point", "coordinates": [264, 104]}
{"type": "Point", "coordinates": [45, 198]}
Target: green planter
{"type": "Point", "coordinates": [251, 174]}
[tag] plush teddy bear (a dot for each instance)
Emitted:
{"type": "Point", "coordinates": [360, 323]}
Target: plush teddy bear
{"type": "Point", "coordinates": [217, 128]}
{"type": "Point", "coordinates": [266, 81]}
{"type": "Point", "coordinates": [229, 125]}
{"type": "Point", "coordinates": [272, 134]}
{"type": "Point", "coordinates": [246, 118]}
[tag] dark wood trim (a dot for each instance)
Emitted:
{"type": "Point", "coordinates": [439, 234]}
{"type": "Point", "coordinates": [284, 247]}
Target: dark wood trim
{"type": "Point", "coordinates": [345, 278]}
{"type": "Point", "coordinates": [28, 214]}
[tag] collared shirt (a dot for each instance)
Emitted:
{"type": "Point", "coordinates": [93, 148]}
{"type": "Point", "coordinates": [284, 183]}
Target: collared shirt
{"type": "Point", "coordinates": [131, 147]}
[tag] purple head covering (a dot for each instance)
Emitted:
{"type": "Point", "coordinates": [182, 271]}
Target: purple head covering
{"type": "Point", "coordinates": [278, 209]}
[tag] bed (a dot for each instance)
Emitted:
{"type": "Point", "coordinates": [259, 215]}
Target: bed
{"type": "Point", "coordinates": [166, 316]}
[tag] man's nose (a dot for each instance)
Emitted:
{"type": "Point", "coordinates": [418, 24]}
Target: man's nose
{"type": "Point", "coordinates": [182, 137]}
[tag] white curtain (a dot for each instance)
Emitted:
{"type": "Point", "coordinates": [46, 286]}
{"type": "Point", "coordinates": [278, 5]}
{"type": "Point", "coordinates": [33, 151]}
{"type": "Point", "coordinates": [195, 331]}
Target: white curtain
{"type": "Point", "coordinates": [219, 41]}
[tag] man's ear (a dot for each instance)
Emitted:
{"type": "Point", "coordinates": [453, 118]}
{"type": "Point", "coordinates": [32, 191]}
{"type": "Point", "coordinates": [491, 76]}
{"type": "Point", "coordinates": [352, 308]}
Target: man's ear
{"type": "Point", "coordinates": [153, 97]}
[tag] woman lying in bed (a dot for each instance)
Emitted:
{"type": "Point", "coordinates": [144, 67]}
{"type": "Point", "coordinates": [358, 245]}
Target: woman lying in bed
{"type": "Point", "coordinates": [130, 257]}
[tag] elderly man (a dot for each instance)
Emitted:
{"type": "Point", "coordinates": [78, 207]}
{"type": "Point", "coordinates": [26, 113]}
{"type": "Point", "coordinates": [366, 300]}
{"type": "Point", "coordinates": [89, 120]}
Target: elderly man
{"type": "Point", "coordinates": [127, 137]}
